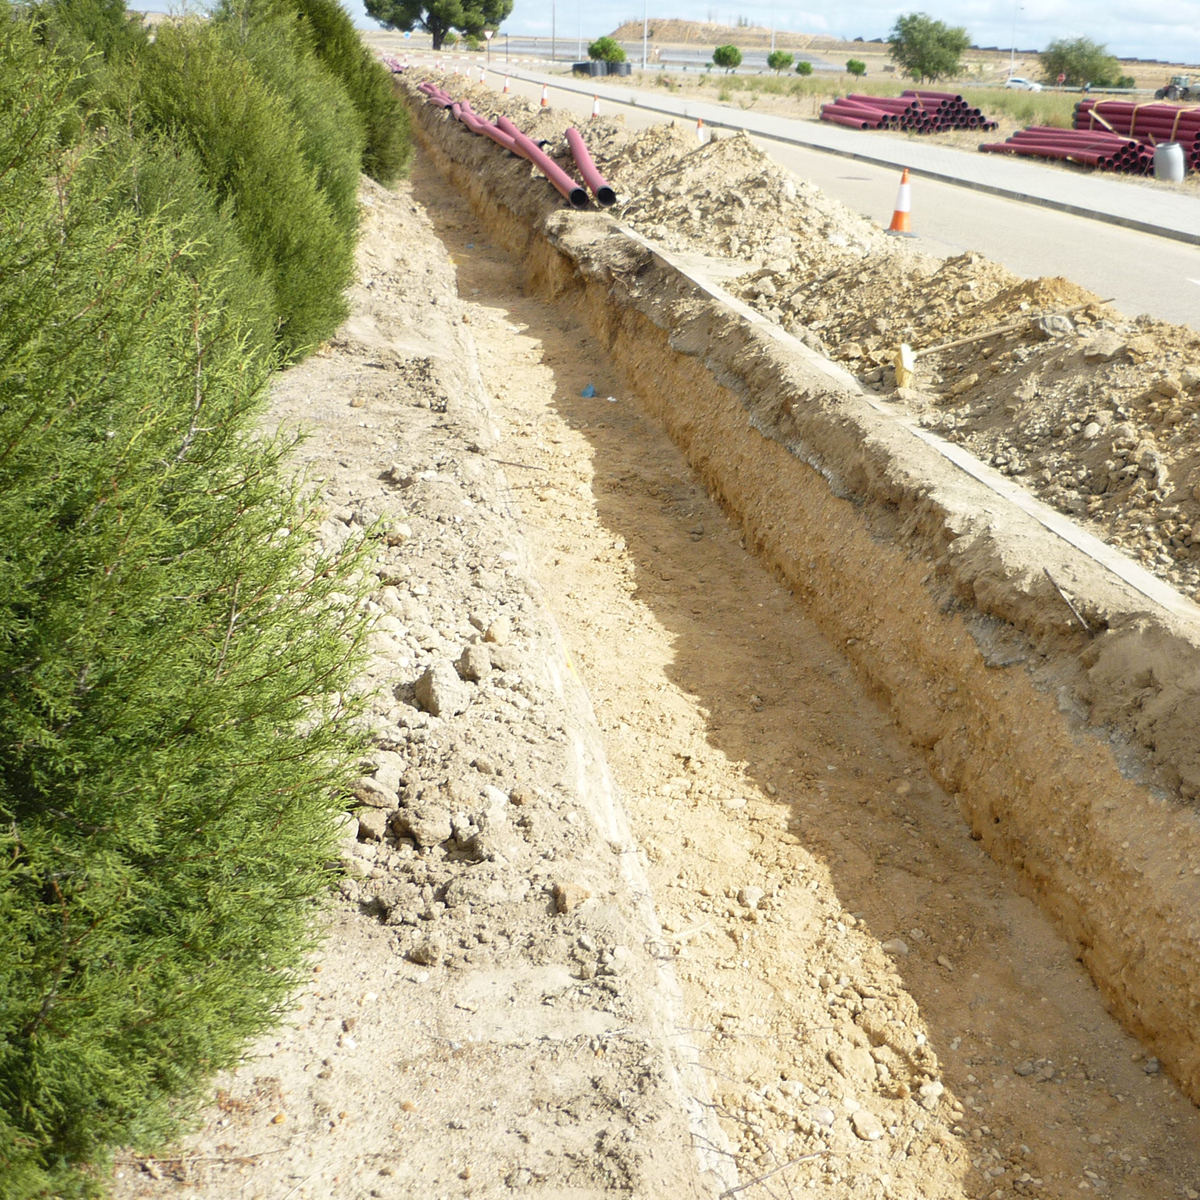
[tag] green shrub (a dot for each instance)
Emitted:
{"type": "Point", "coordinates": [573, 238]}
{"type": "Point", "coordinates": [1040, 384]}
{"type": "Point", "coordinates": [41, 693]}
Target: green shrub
{"type": "Point", "coordinates": [74, 27]}
{"type": "Point", "coordinates": [251, 152]}
{"type": "Point", "coordinates": [856, 67]}
{"type": "Point", "coordinates": [606, 49]}
{"type": "Point", "coordinates": [161, 179]}
{"type": "Point", "coordinates": [332, 138]}
{"type": "Point", "coordinates": [779, 60]}
{"type": "Point", "coordinates": [164, 631]}
{"type": "Point", "coordinates": [329, 31]}
{"type": "Point", "coordinates": [804, 68]}
{"type": "Point", "coordinates": [728, 57]}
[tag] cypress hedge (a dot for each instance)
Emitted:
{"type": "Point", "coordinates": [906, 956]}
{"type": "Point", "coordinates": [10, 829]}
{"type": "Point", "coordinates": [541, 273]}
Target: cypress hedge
{"type": "Point", "coordinates": [194, 86]}
{"type": "Point", "coordinates": [330, 32]}
{"type": "Point", "coordinates": [167, 630]}
{"type": "Point", "coordinates": [332, 138]}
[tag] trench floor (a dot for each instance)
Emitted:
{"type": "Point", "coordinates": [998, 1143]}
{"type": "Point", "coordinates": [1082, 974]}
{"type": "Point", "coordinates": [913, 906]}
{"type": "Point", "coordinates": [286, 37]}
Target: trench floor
{"type": "Point", "coordinates": [749, 757]}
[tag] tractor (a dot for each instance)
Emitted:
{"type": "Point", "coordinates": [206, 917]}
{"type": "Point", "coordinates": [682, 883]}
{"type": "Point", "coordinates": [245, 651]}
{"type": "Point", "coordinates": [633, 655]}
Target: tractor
{"type": "Point", "coordinates": [1180, 88]}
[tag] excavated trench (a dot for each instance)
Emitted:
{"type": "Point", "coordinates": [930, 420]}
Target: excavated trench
{"type": "Point", "coordinates": [1041, 684]}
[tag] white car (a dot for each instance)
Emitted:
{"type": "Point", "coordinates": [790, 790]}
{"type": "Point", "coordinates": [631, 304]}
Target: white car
{"type": "Point", "coordinates": [1022, 85]}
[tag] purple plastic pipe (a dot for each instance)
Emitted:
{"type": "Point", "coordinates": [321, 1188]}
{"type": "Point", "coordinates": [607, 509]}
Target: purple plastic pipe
{"type": "Point", "coordinates": [561, 181]}
{"type": "Point", "coordinates": [606, 197]}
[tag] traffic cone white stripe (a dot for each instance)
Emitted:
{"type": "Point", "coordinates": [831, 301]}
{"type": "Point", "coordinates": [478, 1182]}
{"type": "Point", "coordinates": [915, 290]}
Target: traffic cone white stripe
{"type": "Point", "coordinates": [595, 107]}
{"type": "Point", "coordinates": [900, 225]}
{"type": "Point", "coordinates": [700, 129]}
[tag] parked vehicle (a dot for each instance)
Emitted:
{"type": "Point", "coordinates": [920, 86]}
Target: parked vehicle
{"type": "Point", "coordinates": [1022, 85]}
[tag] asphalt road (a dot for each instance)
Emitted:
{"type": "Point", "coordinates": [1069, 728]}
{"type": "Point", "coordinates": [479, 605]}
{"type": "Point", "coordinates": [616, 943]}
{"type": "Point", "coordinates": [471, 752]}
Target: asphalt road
{"type": "Point", "coordinates": [1141, 273]}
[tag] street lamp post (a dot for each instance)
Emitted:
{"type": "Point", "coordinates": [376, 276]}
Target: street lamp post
{"type": "Point", "coordinates": [645, 28]}
{"type": "Point", "coordinates": [553, 32]}
{"type": "Point", "coordinates": [1012, 54]}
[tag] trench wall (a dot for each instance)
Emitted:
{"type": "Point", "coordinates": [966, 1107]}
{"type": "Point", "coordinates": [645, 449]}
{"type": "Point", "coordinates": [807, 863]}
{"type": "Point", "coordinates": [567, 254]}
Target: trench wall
{"type": "Point", "coordinates": [1073, 753]}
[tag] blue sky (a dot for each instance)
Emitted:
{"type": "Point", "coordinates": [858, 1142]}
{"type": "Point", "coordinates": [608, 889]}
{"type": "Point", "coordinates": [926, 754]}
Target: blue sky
{"type": "Point", "coordinates": [1165, 29]}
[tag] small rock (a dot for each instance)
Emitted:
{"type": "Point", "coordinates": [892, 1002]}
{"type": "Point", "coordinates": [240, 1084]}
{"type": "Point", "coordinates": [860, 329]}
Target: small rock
{"type": "Point", "coordinates": [428, 952]}
{"type": "Point", "coordinates": [853, 1062]}
{"type": "Point", "coordinates": [895, 946]}
{"type": "Point", "coordinates": [397, 535]}
{"type": "Point", "coordinates": [965, 384]}
{"type": "Point", "coordinates": [821, 1115]}
{"type": "Point", "coordinates": [372, 824]}
{"type": "Point", "coordinates": [374, 794]}
{"type": "Point", "coordinates": [1102, 348]}
{"type": "Point", "coordinates": [428, 825]}
{"type": "Point", "coordinates": [569, 896]}
{"type": "Point", "coordinates": [866, 1125]}
{"type": "Point", "coordinates": [1169, 386]}
{"type": "Point", "coordinates": [504, 658]}
{"type": "Point", "coordinates": [345, 826]}
{"type": "Point", "coordinates": [750, 897]}
{"type": "Point", "coordinates": [1091, 430]}
{"type": "Point", "coordinates": [474, 664]}
{"type": "Point", "coordinates": [440, 691]}
{"type": "Point", "coordinates": [1152, 1067]}
{"type": "Point", "coordinates": [1055, 325]}
{"type": "Point", "coordinates": [1024, 1069]}
{"type": "Point", "coordinates": [499, 631]}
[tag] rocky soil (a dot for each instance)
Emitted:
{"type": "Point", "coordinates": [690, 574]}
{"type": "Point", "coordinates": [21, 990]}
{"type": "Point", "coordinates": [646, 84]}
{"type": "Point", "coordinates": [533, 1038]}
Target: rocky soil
{"type": "Point", "coordinates": [660, 905]}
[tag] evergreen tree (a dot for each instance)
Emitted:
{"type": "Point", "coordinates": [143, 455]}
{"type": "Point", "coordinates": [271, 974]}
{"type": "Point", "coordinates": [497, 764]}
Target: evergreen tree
{"type": "Point", "coordinates": [927, 49]}
{"type": "Point", "coordinates": [194, 85]}
{"type": "Point", "coordinates": [167, 636]}
{"type": "Point", "coordinates": [440, 17]}
{"type": "Point", "coordinates": [330, 32]}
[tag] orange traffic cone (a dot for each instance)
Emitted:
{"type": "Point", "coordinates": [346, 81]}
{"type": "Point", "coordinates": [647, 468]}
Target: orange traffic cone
{"type": "Point", "coordinates": [699, 129]}
{"type": "Point", "coordinates": [481, 75]}
{"type": "Point", "coordinates": [595, 107]}
{"type": "Point", "coordinates": [545, 96]}
{"type": "Point", "coordinates": [900, 226]}
{"type": "Point", "coordinates": [506, 85]}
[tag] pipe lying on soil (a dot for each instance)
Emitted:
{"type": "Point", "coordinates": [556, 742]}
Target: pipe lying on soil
{"type": "Point", "coordinates": [606, 197]}
{"type": "Point", "coordinates": [562, 182]}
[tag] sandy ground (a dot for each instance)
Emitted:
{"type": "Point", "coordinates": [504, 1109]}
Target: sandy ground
{"type": "Point", "coordinates": [867, 1005]}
